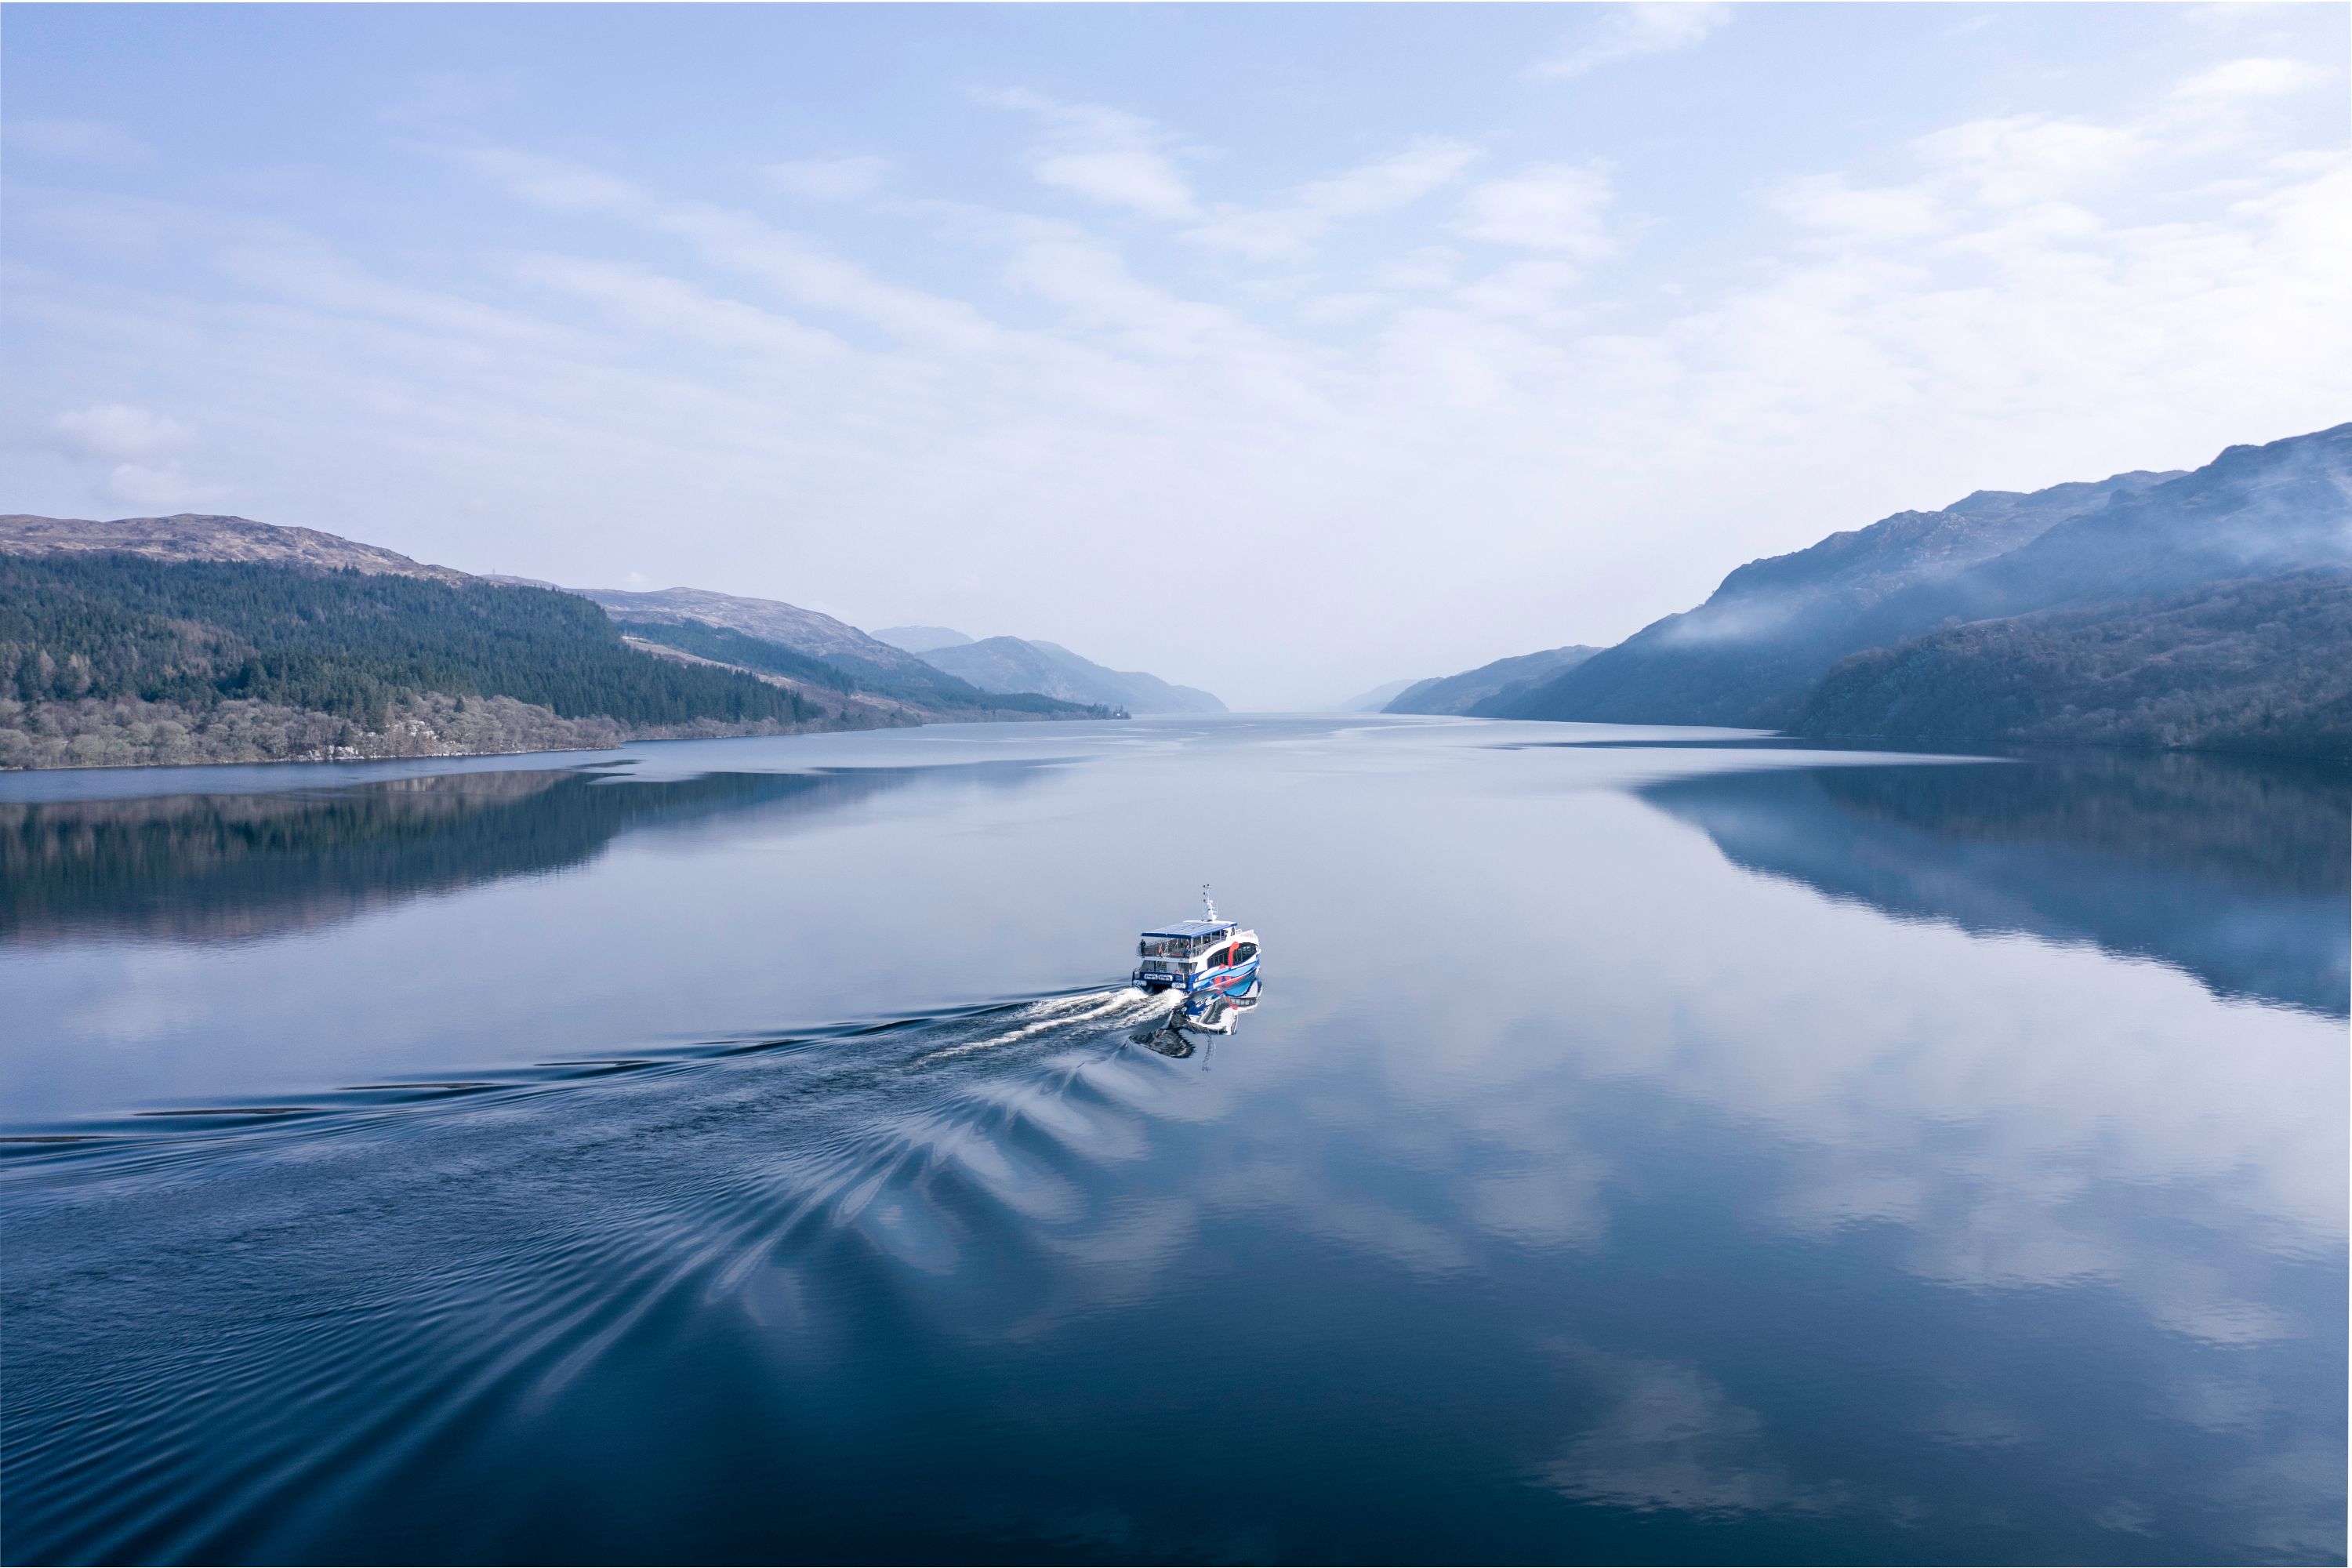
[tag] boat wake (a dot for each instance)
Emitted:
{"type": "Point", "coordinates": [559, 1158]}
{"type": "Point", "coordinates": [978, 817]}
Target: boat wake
{"type": "Point", "coordinates": [443, 1271]}
{"type": "Point", "coordinates": [1124, 1002]}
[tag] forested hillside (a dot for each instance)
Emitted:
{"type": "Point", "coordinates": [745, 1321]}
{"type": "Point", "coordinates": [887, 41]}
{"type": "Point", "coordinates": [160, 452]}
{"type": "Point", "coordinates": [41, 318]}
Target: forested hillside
{"type": "Point", "coordinates": [114, 657]}
{"type": "Point", "coordinates": [2256, 664]}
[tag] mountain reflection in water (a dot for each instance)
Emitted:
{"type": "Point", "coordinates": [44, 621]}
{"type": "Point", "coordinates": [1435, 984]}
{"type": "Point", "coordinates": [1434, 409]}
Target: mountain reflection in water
{"type": "Point", "coordinates": [2236, 872]}
{"type": "Point", "coordinates": [234, 867]}
{"type": "Point", "coordinates": [1668, 1149]}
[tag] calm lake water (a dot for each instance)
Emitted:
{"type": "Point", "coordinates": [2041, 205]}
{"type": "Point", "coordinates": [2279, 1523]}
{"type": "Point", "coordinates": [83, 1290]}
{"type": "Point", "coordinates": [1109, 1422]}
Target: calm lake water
{"type": "Point", "coordinates": [1649, 1146]}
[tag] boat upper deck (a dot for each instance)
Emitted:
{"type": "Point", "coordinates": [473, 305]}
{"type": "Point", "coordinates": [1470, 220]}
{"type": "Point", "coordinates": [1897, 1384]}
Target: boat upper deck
{"type": "Point", "coordinates": [1183, 930]}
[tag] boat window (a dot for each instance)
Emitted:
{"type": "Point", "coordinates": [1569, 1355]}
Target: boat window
{"type": "Point", "coordinates": [1245, 953]}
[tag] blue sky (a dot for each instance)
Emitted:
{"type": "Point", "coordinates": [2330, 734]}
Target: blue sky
{"type": "Point", "coordinates": [1279, 349]}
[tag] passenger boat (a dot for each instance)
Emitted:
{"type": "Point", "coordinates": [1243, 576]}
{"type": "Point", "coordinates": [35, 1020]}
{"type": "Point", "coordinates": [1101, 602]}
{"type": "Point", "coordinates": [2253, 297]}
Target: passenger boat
{"type": "Point", "coordinates": [1195, 956]}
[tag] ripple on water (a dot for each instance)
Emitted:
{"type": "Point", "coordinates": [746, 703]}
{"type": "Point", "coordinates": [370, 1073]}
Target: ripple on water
{"type": "Point", "coordinates": [373, 1282]}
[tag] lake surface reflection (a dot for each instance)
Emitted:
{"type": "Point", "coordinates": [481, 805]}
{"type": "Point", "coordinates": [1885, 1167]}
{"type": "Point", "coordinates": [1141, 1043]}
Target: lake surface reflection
{"type": "Point", "coordinates": [1645, 1146]}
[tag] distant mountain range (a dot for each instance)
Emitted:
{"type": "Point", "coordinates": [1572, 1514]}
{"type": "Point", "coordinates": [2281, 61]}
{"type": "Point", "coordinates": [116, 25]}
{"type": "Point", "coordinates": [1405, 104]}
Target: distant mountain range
{"type": "Point", "coordinates": [1377, 699]}
{"type": "Point", "coordinates": [803, 631]}
{"type": "Point", "coordinates": [198, 638]}
{"type": "Point", "coordinates": [2209, 610]}
{"type": "Point", "coordinates": [1506, 679]}
{"type": "Point", "coordinates": [780, 640]}
{"type": "Point", "coordinates": [1020, 664]}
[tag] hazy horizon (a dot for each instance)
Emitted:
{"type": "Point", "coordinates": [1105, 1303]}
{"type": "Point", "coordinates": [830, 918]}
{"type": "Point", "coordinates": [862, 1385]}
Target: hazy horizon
{"type": "Point", "coordinates": [1281, 351]}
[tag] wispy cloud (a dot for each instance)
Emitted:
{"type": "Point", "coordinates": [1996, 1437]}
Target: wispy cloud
{"type": "Point", "coordinates": [1556, 208]}
{"type": "Point", "coordinates": [133, 456]}
{"type": "Point", "coordinates": [1127, 160]}
{"type": "Point", "coordinates": [78, 141]}
{"type": "Point", "coordinates": [829, 179]}
{"type": "Point", "coordinates": [1626, 32]}
{"type": "Point", "coordinates": [1105, 154]}
{"type": "Point", "coordinates": [1288, 230]}
{"type": "Point", "coordinates": [1411, 342]}
{"type": "Point", "coordinates": [115, 432]}
{"type": "Point", "coordinates": [809, 274]}
{"type": "Point", "coordinates": [2256, 77]}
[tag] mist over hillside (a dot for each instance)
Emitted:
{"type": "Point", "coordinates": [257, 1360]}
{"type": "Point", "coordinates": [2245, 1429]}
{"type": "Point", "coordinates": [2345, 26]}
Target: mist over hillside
{"type": "Point", "coordinates": [2207, 609]}
{"type": "Point", "coordinates": [1750, 652]}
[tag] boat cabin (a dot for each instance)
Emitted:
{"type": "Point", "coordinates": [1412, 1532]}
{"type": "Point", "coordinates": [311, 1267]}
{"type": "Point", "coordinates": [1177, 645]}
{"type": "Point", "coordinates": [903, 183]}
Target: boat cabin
{"type": "Point", "coordinates": [1180, 946]}
{"type": "Point", "coordinates": [1192, 954]}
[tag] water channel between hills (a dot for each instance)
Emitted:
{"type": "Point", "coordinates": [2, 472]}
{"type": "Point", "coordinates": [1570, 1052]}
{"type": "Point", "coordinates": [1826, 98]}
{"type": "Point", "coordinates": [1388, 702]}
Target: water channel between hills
{"type": "Point", "coordinates": [1649, 1145]}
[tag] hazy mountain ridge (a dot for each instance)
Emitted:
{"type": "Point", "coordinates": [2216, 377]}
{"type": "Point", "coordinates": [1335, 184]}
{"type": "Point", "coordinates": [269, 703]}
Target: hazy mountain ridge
{"type": "Point", "coordinates": [860, 664]}
{"type": "Point", "coordinates": [920, 697]}
{"type": "Point", "coordinates": [1377, 700]}
{"type": "Point", "coordinates": [2252, 512]}
{"type": "Point", "coordinates": [1020, 664]}
{"type": "Point", "coordinates": [1504, 681]}
{"type": "Point", "coordinates": [808, 632]}
{"type": "Point", "coordinates": [1749, 654]}
{"type": "Point", "coordinates": [2205, 609]}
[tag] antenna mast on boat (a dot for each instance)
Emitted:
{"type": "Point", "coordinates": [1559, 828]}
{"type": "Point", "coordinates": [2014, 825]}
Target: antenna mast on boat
{"type": "Point", "coordinates": [1208, 904]}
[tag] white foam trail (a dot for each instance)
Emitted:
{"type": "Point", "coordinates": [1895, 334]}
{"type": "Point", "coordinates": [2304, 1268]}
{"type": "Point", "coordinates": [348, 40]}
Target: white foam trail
{"type": "Point", "coordinates": [1123, 1000]}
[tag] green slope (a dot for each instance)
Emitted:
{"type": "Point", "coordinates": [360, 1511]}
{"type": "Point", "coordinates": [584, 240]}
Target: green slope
{"type": "Point", "coordinates": [200, 632]}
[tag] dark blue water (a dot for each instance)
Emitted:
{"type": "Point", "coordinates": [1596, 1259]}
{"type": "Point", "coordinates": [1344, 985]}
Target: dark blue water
{"type": "Point", "coordinates": [1643, 1151]}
